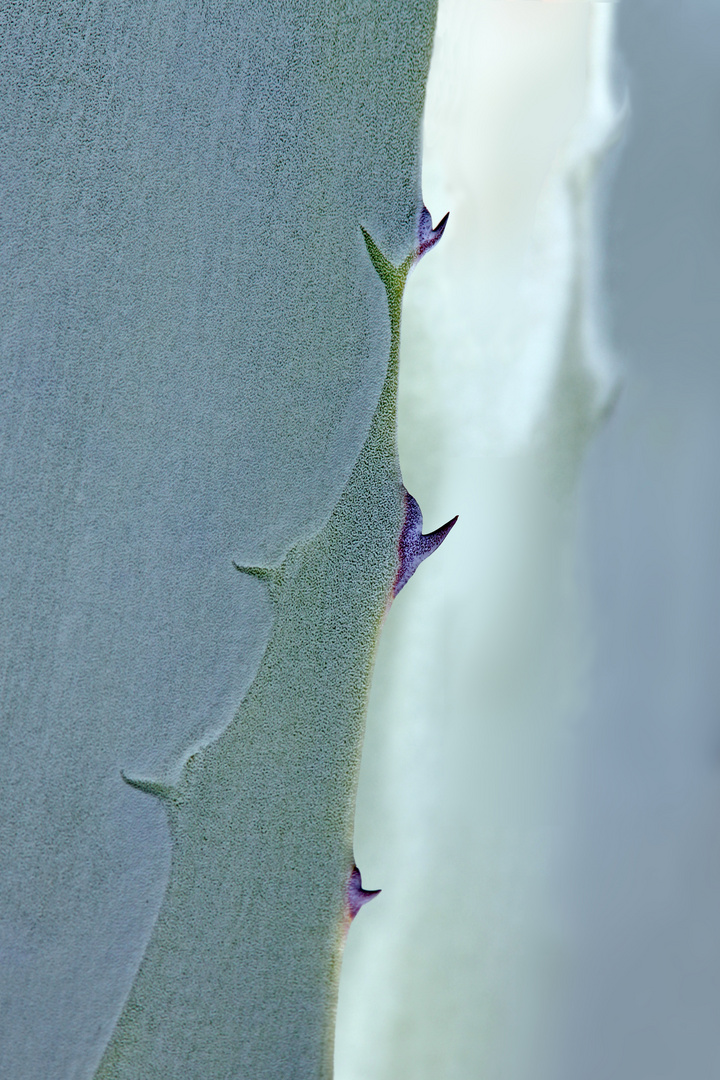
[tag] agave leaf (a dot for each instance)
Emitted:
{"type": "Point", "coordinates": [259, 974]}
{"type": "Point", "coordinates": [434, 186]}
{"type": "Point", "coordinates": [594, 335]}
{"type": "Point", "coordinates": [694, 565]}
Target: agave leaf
{"type": "Point", "coordinates": [241, 974]}
{"type": "Point", "coordinates": [193, 344]}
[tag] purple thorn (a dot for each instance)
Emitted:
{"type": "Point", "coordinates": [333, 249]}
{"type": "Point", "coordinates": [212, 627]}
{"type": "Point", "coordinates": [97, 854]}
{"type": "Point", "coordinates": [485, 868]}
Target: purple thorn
{"type": "Point", "coordinates": [427, 236]}
{"type": "Point", "coordinates": [413, 547]}
{"type": "Point", "coordinates": [356, 895]}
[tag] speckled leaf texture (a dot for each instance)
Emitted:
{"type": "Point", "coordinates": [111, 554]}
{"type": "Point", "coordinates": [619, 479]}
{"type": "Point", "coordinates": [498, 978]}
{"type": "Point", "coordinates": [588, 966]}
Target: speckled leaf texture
{"type": "Point", "coordinates": [241, 974]}
{"type": "Point", "coordinates": [199, 365]}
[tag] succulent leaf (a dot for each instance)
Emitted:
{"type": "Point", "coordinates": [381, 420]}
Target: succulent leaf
{"type": "Point", "coordinates": [262, 837]}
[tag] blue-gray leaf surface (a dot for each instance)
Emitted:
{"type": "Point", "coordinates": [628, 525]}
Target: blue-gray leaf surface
{"type": "Point", "coordinates": [193, 345]}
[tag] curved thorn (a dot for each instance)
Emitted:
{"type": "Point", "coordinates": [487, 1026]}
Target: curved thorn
{"type": "Point", "coordinates": [413, 545]}
{"type": "Point", "coordinates": [427, 236]}
{"type": "Point", "coordinates": [150, 787]}
{"type": "Point", "coordinates": [357, 897]}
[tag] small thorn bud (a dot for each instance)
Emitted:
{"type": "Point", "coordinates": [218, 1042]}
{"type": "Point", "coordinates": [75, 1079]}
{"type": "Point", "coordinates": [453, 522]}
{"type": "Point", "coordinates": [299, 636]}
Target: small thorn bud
{"type": "Point", "coordinates": [151, 787]}
{"type": "Point", "coordinates": [264, 573]}
{"type": "Point", "coordinates": [271, 575]}
{"type": "Point", "coordinates": [427, 236]}
{"type": "Point", "coordinates": [413, 546]}
{"type": "Point", "coordinates": [356, 895]}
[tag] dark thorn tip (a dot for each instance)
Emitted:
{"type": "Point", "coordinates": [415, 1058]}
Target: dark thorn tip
{"type": "Point", "coordinates": [434, 539]}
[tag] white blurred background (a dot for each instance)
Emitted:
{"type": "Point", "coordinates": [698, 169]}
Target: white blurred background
{"type": "Point", "coordinates": [540, 797]}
